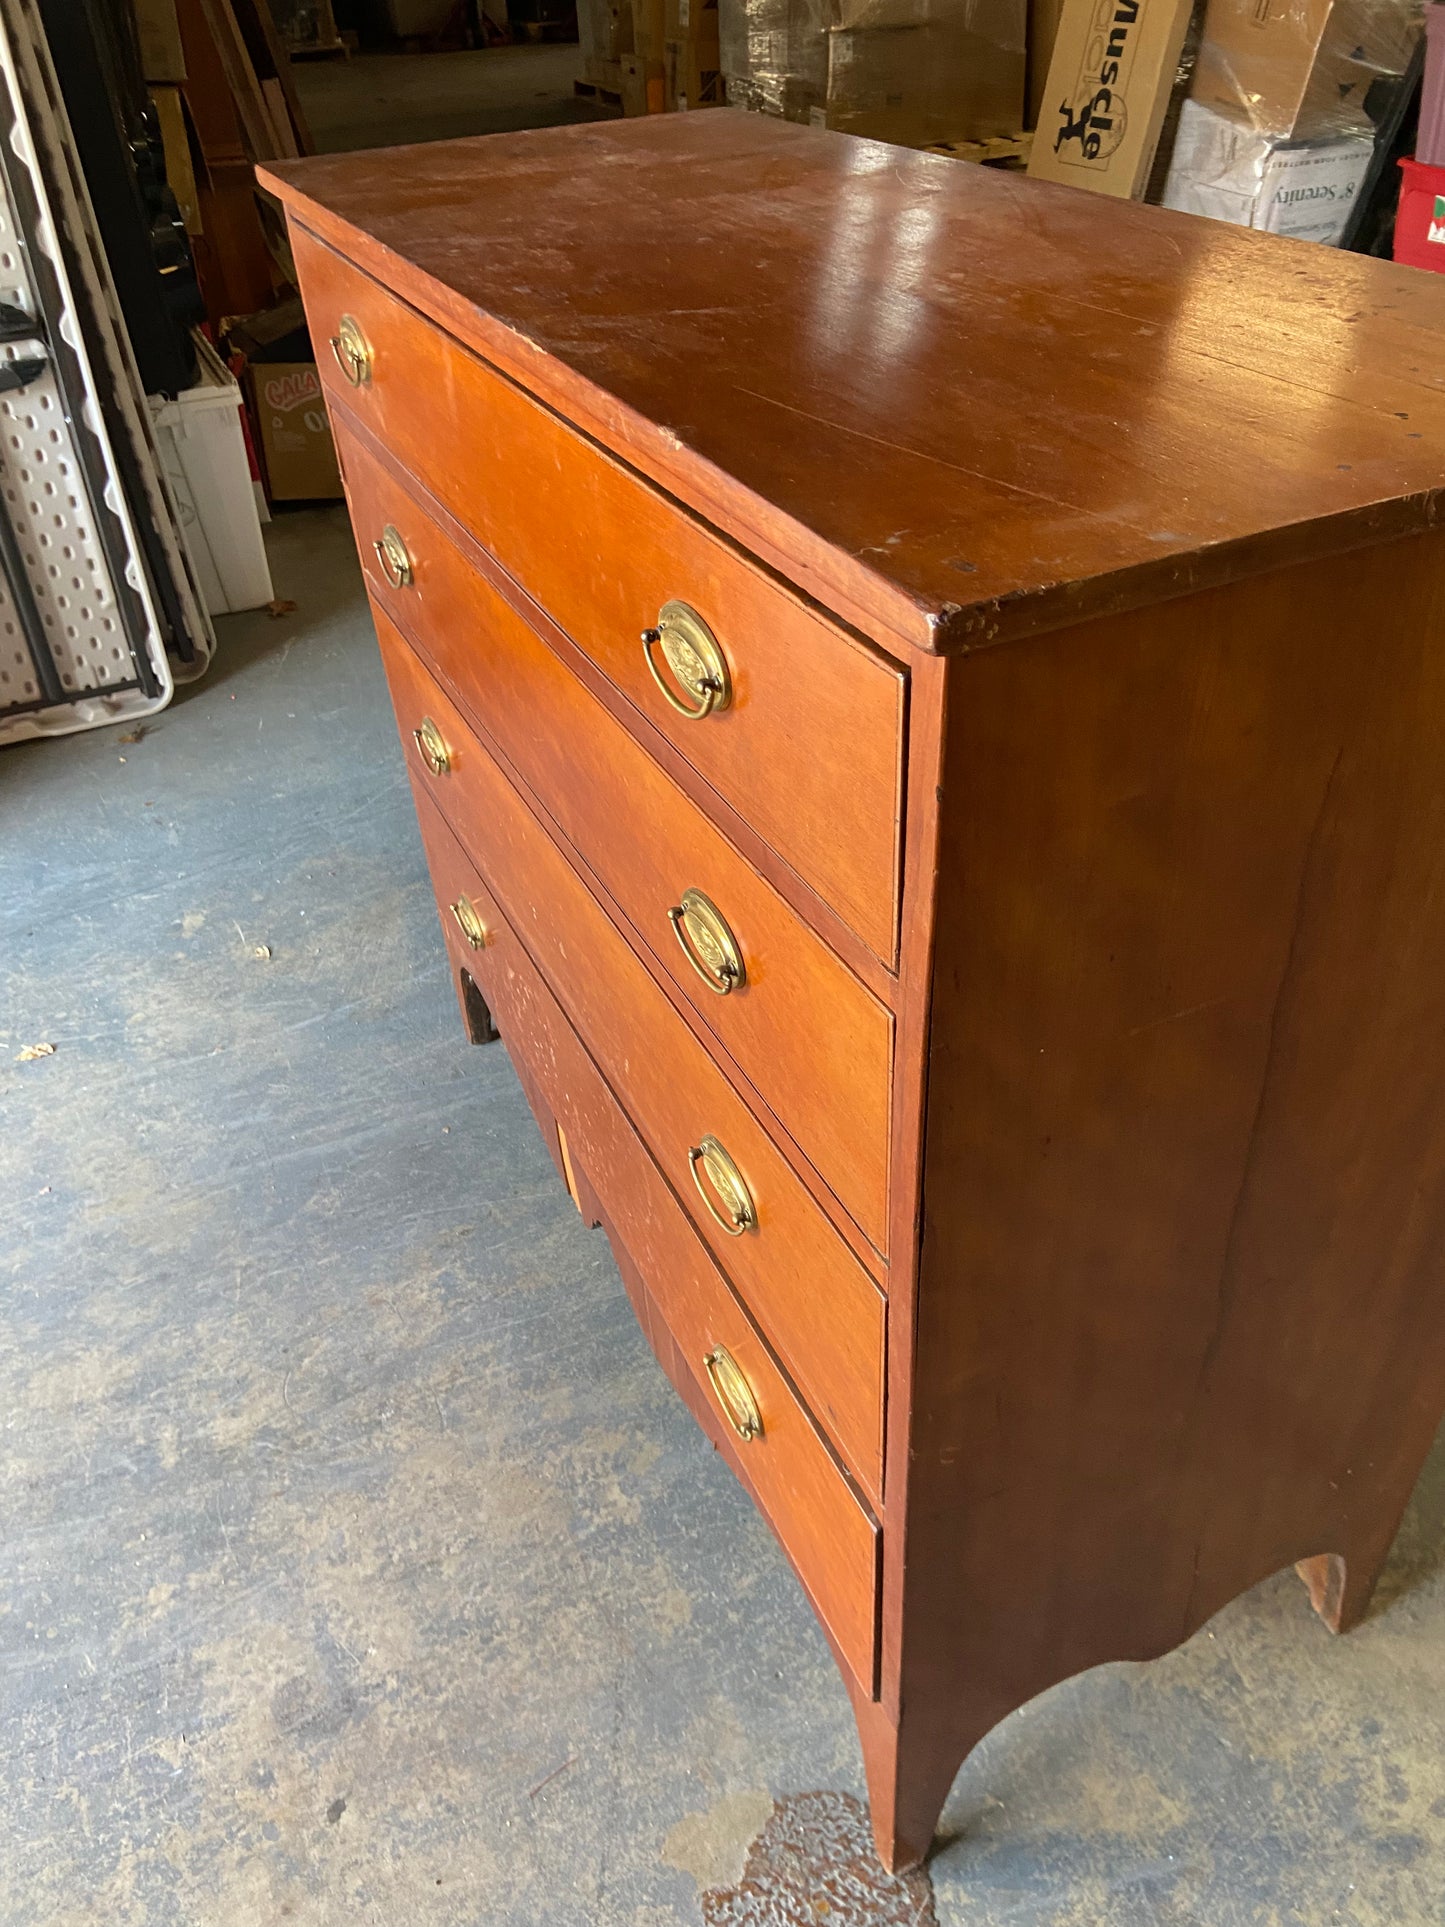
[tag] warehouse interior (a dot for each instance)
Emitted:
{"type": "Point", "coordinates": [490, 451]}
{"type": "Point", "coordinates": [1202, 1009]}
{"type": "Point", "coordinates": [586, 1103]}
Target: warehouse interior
{"type": "Point", "coordinates": [358, 1562]}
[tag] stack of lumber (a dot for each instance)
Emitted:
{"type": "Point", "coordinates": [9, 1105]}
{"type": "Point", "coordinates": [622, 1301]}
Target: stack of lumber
{"type": "Point", "coordinates": [221, 83]}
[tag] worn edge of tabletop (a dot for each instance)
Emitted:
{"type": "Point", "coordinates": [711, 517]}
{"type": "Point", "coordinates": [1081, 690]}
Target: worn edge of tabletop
{"type": "Point", "coordinates": [838, 582]}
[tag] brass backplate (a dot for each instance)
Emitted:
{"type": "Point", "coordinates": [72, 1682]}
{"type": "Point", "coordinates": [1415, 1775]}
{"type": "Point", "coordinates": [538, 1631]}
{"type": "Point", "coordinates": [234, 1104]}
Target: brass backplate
{"type": "Point", "coordinates": [694, 654]}
{"type": "Point", "coordinates": [713, 942]}
{"type": "Point", "coordinates": [353, 348]}
{"type": "Point", "coordinates": [729, 1184]}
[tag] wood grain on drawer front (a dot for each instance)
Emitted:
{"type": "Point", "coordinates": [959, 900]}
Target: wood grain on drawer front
{"type": "Point", "coordinates": [815, 1302]}
{"type": "Point", "coordinates": [814, 1041]}
{"type": "Point", "coordinates": [826, 1531]}
{"type": "Point", "coordinates": [810, 749]}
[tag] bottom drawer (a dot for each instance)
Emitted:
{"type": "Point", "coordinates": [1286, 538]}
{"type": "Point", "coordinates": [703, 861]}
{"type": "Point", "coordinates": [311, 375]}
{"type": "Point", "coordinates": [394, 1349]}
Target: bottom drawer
{"type": "Point", "coordinates": [827, 1533]}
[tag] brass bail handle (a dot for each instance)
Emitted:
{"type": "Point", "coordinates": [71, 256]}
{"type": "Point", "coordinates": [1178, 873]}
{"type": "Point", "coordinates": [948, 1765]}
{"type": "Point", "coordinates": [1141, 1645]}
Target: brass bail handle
{"type": "Point", "coordinates": [708, 944]}
{"type": "Point", "coordinates": [468, 920]}
{"type": "Point", "coordinates": [352, 350]}
{"type": "Point", "coordinates": [432, 746]}
{"type": "Point", "coordinates": [394, 557]}
{"type": "Point", "coordinates": [695, 658]}
{"type": "Point", "coordinates": [733, 1392]}
{"type": "Point", "coordinates": [726, 1186]}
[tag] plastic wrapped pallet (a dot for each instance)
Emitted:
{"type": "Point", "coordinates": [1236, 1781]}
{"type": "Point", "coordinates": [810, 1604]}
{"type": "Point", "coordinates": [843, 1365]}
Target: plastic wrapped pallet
{"type": "Point", "coordinates": [775, 55]}
{"type": "Point", "coordinates": [1304, 70]}
{"type": "Point", "coordinates": [911, 71]}
{"type": "Point", "coordinates": [1231, 172]}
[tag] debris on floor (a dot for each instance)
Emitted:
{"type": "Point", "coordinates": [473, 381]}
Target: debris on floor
{"type": "Point", "coordinates": [815, 1862]}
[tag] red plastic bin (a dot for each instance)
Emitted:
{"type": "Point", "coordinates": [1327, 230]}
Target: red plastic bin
{"type": "Point", "coordinates": [1420, 219]}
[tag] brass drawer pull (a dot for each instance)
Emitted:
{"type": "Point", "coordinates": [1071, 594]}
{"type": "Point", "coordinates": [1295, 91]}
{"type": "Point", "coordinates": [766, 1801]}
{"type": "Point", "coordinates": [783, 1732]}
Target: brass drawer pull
{"type": "Point", "coordinates": [695, 658]}
{"type": "Point", "coordinates": [352, 350]}
{"type": "Point", "coordinates": [433, 746]}
{"type": "Point", "coordinates": [734, 1393]}
{"type": "Point", "coordinates": [469, 922]}
{"type": "Point", "coordinates": [707, 943]}
{"type": "Point", "coordinates": [725, 1185]}
{"type": "Point", "coordinates": [391, 553]}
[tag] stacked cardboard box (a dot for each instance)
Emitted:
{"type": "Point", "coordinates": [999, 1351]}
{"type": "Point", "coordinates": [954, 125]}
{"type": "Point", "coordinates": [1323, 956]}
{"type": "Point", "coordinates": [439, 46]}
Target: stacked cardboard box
{"type": "Point", "coordinates": [912, 71]}
{"type": "Point", "coordinates": [1279, 128]}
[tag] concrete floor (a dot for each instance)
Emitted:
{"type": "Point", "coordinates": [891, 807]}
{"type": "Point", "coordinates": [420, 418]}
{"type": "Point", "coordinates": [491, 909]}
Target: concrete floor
{"type": "Point", "coordinates": [390, 99]}
{"type": "Point", "coordinates": [357, 1564]}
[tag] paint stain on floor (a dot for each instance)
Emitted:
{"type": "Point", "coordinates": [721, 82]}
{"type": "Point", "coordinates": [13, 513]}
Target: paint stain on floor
{"type": "Point", "coordinates": [814, 1862]}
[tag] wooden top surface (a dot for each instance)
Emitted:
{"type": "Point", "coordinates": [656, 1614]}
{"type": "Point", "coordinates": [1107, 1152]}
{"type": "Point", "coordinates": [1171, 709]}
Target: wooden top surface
{"type": "Point", "coordinates": [951, 403]}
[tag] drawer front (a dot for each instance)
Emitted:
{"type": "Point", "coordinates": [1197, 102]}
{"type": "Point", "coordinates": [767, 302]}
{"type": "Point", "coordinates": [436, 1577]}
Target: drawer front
{"type": "Point", "coordinates": [814, 1041]}
{"type": "Point", "coordinates": [827, 1533]}
{"type": "Point", "coordinates": [809, 748]}
{"type": "Point", "coordinates": [817, 1305]}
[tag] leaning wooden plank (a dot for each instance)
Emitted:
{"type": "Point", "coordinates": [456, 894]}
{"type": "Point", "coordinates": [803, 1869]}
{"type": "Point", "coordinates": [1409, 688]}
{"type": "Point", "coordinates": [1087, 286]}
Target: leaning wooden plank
{"type": "Point", "coordinates": [281, 65]}
{"type": "Point", "coordinates": [241, 79]}
{"type": "Point", "coordinates": [280, 119]}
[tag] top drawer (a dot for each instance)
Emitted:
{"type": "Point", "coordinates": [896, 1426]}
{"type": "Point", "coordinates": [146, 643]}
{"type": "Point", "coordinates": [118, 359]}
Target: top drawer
{"type": "Point", "coordinates": [809, 746]}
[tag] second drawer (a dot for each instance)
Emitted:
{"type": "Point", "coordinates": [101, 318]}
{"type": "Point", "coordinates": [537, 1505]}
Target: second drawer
{"type": "Point", "coordinates": [812, 1298]}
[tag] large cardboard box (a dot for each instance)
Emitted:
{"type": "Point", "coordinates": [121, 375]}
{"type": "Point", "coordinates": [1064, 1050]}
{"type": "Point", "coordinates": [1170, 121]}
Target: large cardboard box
{"type": "Point", "coordinates": [1231, 172]}
{"type": "Point", "coordinates": [959, 76]}
{"type": "Point", "coordinates": [296, 445]}
{"type": "Point", "coordinates": [1301, 69]}
{"type": "Point", "coordinates": [1107, 92]}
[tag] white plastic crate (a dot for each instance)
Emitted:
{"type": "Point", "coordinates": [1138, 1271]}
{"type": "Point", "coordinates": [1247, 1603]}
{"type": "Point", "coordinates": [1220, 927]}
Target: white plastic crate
{"type": "Point", "coordinates": [203, 454]}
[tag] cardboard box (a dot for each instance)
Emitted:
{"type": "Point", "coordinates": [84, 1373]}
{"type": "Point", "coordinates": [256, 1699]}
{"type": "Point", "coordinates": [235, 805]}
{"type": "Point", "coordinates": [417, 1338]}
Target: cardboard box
{"type": "Point", "coordinates": [1235, 173]}
{"type": "Point", "coordinates": [1301, 69]}
{"type": "Point", "coordinates": [296, 445]}
{"type": "Point", "coordinates": [604, 30]}
{"type": "Point", "coordinates": [649, 30]}
{"type": "Point", "coordinates": [643, 85]}
{"type": "Point", "coordinates": [692, 21]}
{"type": "Point", "coordinates": [958, 76]}
{"type": "Point", "coordinates": [1107, 92]}
{"type": "Point", "coordinates": [693, 76]}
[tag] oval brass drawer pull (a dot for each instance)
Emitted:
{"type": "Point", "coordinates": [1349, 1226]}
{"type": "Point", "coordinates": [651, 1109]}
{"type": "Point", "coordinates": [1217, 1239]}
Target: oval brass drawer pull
{"type": "Point", "coordinates": [707, 942]}
{"type": "Point", "coordinates": [352, 350]}
{"type": "Point", "coordinates": [726, 1186]}
{"type": "Point", "coordinates": [433, 746]}
{"type": "Point", "coordinates": [695, 658]}
{"type": "Point", "coordinates": [391, 553]}
{"type": "Point", "coordinates": [469, 921]}
{"type": "Point", "coordinates": [734, 1393]}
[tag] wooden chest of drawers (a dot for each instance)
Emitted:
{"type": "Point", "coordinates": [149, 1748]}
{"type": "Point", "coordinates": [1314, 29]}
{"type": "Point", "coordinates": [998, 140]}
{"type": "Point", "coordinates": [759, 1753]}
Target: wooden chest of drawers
{"type": "Point", "coordinates": [925, 695]}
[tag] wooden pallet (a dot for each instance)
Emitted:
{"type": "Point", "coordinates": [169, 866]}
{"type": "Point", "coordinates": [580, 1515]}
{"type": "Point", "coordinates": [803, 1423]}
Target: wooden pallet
{"type": "Point", "coordinates": [593, 90]}
{"type": "Point", "coordinates": [1002, 150]}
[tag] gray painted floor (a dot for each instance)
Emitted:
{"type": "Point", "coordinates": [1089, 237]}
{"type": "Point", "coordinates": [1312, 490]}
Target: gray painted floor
{"type": "Point", "coordinates": [358, 1564]}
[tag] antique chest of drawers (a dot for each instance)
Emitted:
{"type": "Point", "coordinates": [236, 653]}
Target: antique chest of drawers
{"type": "Point", "coordinates": [925, 695]}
